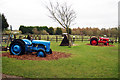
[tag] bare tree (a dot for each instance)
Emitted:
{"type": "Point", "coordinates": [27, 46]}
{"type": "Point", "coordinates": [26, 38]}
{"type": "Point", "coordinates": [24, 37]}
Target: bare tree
{"type": "Point", "coordinates": [63, 14]}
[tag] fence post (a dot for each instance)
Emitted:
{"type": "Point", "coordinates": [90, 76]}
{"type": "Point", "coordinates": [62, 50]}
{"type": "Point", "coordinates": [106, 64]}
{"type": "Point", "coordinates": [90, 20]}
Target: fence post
{"type": "Point", "coordinates": [14, 36]}
{"type": "Point", "coordinates": [56, 38]}
{"type": "Point", "coordinates": [115, 39]}
{"type": "Point", "coordinates": [73, 39]}
{"type": "Point", "coordinates": [82, 38]}
{"type": "Point", "coordinates": [35, 37]}
{"type": "Point", "coordinates": [40, 37]}
{"type": "Point", "coordinates": [47, 38]}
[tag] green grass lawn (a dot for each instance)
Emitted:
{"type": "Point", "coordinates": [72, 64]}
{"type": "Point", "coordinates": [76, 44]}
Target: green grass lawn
{"type": "Point", "coordinates": [85, 62]}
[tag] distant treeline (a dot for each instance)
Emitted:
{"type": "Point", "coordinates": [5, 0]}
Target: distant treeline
{"type": "Point", "coordinates": [111, 32]}
{"type": "Point", "coordinates": [40, 30]}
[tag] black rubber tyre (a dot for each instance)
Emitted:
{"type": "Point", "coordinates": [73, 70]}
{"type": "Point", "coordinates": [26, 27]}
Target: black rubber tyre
{"type": "Point", "coordinates": [105, 43]}
{"type": "Point", "coordinates": [95, 40]}
{"type": "Point", "coordinates": [20, 43]}
{"type": "Point", "coordinates": [43, 53]}
{"type": "Point", "coordinates": [50, 51]}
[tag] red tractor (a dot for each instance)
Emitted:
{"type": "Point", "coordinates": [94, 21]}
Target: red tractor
{"type": "Point", "coordinates": [105, 41]}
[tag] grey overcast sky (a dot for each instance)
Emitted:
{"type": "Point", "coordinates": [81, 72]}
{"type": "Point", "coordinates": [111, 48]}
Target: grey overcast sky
{"type": "Point", "coordinates": [90, 13]}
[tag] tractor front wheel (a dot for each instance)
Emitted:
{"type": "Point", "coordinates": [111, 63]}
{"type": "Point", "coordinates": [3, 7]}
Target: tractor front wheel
{"type": "Point", "coordinates": [50, 51]}
{"type": "Point", "coordinates": [107, 43]}
{"type": "Point", "coordinates": [41, 53]}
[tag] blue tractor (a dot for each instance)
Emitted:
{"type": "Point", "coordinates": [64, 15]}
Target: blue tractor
{"type": "Point", "coordinates": [22, 46]}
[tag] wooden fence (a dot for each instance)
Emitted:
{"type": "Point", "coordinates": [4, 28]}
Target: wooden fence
{"type": "Point", "coordinates": [55, 38]}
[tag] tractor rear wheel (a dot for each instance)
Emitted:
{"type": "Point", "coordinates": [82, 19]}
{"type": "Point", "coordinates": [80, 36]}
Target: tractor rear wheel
{"type": "Point", "coordinates": [41, 53]}
{"type": "Point", "coordinates": [94, 41]}
{"type": "Point", "coordinates": [17, 47]}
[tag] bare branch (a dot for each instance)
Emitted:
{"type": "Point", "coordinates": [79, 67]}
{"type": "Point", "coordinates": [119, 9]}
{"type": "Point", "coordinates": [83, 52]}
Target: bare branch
{"type": "Point", "coordinates": [61, 13]}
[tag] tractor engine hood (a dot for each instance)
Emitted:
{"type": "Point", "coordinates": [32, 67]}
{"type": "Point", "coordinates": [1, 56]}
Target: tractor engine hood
{"type": "Point", "coordinates": [40, 42]}
{"type": "Point", "coordinates": [103, 38]}
{"type": "Point", "coordinates": [45, 43]}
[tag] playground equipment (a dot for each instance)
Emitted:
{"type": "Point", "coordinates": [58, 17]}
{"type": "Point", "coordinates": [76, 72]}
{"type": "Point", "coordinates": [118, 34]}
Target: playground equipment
{"type": "Point", "coordinates": [105, 41]}
{"type": "Point", "coordinates": [21, 46]}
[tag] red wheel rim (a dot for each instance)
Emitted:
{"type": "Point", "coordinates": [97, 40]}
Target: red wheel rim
{"type": "Point", "coordinates": [107, 44]}
{"type": "Point", "coordinates": [94, 42]}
